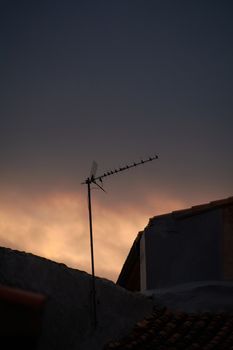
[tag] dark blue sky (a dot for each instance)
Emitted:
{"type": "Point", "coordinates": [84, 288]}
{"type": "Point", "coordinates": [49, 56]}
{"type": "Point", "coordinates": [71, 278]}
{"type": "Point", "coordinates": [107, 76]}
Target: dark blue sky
{"type": "Point", "coordinates": [115, 81]}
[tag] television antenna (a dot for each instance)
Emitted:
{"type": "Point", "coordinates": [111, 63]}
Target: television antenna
{"type": "Point", "coordinates": [92, 179]}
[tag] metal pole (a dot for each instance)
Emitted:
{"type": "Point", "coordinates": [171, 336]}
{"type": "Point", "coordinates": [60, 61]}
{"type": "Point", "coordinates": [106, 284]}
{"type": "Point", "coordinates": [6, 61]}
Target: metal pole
{"type": "Point", "coordinates": [92, 255]}
{"type": "Point", "coordinates": [88, 182]}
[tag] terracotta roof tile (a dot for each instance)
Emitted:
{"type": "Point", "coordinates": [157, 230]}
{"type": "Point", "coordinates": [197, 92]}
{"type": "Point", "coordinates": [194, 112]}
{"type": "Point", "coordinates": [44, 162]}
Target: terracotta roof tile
{"type": "Point", "coordinates": [169, 330]}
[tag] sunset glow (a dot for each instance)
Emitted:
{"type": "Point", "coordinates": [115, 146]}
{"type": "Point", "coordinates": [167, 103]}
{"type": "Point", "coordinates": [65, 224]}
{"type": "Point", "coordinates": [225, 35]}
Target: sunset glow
{"type": "Point", "coordinates": [55, 226]}
{"type": "Point", "coordinates": [114, 82]}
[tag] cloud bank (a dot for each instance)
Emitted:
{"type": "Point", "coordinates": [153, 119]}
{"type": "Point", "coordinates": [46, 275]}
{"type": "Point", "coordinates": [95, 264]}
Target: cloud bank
{"type": "Point", "coordinates": [55, 225]}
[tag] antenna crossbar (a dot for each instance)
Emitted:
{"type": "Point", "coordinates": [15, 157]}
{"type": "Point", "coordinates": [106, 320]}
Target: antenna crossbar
{"type": "Point", "coordinates": [93, 179]}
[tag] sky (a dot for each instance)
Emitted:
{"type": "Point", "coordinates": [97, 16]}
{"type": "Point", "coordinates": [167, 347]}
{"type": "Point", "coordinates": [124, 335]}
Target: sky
{"type": "Point", "coordinates": [114, 82]}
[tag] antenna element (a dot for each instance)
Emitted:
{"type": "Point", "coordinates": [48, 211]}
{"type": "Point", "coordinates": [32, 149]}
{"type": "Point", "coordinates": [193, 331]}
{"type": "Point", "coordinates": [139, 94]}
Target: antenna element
{"type": "Point", "coordinates": [93, 179]}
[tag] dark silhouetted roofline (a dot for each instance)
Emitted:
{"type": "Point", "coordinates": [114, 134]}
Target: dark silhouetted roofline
{"type": "Point", "coordinates": [196, 209]}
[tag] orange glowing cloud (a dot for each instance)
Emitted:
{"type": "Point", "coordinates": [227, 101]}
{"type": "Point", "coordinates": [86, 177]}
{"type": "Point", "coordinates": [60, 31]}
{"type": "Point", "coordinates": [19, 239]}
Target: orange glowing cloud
{"type": "Point", "coordinates": [55, 226]}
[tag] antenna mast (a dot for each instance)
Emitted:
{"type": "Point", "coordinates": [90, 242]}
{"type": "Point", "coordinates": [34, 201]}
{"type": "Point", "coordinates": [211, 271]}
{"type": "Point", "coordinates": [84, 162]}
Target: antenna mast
{"type": "Point", "coordinates": [93, 179]}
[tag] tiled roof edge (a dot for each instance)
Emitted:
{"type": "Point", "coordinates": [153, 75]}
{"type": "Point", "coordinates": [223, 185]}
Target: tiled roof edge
{"type": "Point", "coordinates": [194, 210]}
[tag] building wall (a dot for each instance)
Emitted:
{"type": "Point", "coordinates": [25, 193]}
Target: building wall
{"type": "Point", "coordinates": [129, 277]}
{"type": "Point", "coordinates": [185, 249]}
{"type": "Point", "coordinates": [143, 283]}
{"type": "Point", "coordinates": [228, 243]}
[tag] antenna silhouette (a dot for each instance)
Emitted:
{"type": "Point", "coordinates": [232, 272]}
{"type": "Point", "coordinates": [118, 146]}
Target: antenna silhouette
{"type": "Point", "coordinates": [92, 179]}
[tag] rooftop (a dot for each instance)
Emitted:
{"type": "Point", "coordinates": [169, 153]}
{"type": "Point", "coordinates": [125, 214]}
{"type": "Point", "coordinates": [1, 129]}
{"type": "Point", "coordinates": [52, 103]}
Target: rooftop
{"type": "Point", "coordinates": [165, 329]}
{"type": "Point", "coordinates": [197, 209]}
